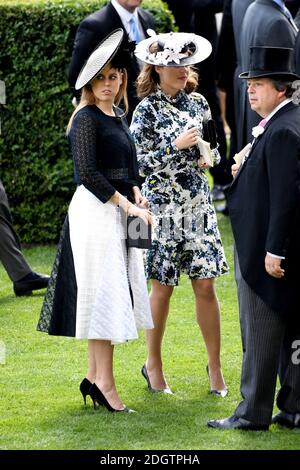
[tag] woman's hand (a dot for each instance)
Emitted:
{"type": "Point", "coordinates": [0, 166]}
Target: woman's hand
{"type": "Point", "coordinates": [202, 164]}
{"type": "Point", "coordinates": [143, 214]}
{"type": "Point", "coordinates": [187, 139]}
{"type": "Point", "coordinates": [138, 198]}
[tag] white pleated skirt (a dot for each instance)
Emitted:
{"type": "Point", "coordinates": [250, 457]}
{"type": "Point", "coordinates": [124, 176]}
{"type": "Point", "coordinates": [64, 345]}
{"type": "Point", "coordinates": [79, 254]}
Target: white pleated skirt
{"type": "Point", "coordinates": [112, 298]}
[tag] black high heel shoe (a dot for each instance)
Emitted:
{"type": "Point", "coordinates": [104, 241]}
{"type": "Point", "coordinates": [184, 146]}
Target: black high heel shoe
{"type": "Point", "coordinates": [155, 390]}
{"type": "Point", "coordinates": [84, 387]}
{"type": "Point", "coordinates": [98, 397]}
{"type": "Point", "coordinates": [219, 393]}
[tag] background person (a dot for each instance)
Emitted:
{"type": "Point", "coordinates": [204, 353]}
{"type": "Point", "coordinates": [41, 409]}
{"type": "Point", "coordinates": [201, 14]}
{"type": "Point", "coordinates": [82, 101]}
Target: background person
{"type": "Point", "coordinates": [266, 23]}
{"type": "Point", "coordinates": [205, 25]}
{"type": "Point", "coordinates": [24, 279]}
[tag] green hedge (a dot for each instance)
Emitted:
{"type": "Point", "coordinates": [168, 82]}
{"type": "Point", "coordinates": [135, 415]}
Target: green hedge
{"type": "Point", "coordinates": [36, 40]}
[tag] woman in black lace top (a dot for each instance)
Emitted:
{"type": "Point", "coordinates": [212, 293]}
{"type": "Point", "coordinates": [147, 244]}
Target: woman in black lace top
{"type": "Point", "coordinates": [97, 289]}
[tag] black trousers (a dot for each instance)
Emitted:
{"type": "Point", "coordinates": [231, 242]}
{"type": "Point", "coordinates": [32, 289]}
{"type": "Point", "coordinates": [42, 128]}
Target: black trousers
{"type": "Point", "coordinates": [10, 248]}
{"type": "Point", "coordinates": [268, 341]}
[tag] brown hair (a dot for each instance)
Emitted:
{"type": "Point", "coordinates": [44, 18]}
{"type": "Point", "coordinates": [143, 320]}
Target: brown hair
{"type": "Point", "coordinates": [281, 85]}
{"type": "Point", "coordinates": [148, 80]}
{"type": "Point", "coordinates": [88, 98]}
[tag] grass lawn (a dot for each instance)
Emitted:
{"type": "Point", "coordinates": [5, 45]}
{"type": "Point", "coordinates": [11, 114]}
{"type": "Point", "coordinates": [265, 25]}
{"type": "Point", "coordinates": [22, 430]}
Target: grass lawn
{"type": "Point", "coordinates": [41, 407]}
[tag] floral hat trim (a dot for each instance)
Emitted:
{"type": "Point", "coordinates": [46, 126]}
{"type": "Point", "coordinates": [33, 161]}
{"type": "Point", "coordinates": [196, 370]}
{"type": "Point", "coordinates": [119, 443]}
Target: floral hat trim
{"type": "Point", "coordinates": [174, 49]}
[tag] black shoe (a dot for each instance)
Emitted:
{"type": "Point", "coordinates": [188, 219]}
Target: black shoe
{"type": "Point", "coordinates": [288, 420]}
{"type": "Point", "coordinates": [84, 387]}
{"type": "Point", "coordinates": [33, 281]}
{"type": "Point", "coordinates": [166, 390]}
{"type": "Point", "coordinates": [98, 397]}
{"type": "Point", "coordinates": [233, 422]}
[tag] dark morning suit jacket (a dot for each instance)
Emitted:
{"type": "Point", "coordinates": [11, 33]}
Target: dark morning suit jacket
{"type": "Point", "coordinates": [226, 64]}
{"type": "Point", "coordinates": [238, 10]}
{"type": "Point", "coordinates": [206, 26]}
{"type": "Point", "coordinates": [264, 24]}
{"type": "Point", "coordinates": [264, 207]}
{"type": "Point", "coordinates": [90, 33]}
{"type": "Point", "coordinates": [297, 54]}
{"type": "Point", "coordinates": [293, 6]}
{"type": "Point", "coordinates": [297, 45]}
{"type": "Point", "coordinates": [297, 17]}
{"type": "Point", "coordinates": [183, 14]}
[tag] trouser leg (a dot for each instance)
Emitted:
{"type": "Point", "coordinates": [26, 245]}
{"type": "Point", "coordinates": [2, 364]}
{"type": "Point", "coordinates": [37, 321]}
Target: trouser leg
{"type": "Point", "coordinates": [10, 249]}
{"type": "Point", "coordinates": [262, 336]}
{"type": "Point", "coordinates": [288, 398]}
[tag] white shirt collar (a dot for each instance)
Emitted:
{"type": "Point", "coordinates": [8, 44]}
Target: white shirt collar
{"type": "Point", "coordinates": [283, 103]}
{"type": "Point", "coordinates": [124, 14]}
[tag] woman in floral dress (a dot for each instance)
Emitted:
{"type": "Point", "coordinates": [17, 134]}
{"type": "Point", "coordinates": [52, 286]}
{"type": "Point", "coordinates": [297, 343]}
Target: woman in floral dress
{"type": "Point", "coordinates": [166, 128]}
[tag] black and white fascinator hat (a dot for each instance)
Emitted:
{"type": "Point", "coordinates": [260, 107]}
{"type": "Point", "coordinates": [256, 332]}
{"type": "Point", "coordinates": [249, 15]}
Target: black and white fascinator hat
{"type": "Point", "coordinates": [173, 49]}
{"type": "Point", "coordinates": [100, 57]}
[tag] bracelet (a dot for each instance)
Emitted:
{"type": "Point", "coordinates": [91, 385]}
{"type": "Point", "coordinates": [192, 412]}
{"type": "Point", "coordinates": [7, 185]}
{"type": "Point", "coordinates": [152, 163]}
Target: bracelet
{"type": "Point", "coordinates": [124, 204]}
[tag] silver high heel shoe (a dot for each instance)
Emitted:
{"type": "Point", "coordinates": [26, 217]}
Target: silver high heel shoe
{"type": "Point", "coordinates": [219, 393]}
{"type": "Point", "coordinates": [166, 390]}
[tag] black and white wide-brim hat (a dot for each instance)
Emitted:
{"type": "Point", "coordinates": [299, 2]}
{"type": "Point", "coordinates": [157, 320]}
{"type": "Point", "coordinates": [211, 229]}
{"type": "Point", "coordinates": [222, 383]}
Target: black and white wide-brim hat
{"type": "Point", "coordinates": [174, 49]}
{"type": "Point", "coordinates": [100, 57]}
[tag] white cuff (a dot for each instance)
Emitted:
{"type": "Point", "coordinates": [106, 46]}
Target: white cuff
{"type": "Point", "coordinates": [275, 256]}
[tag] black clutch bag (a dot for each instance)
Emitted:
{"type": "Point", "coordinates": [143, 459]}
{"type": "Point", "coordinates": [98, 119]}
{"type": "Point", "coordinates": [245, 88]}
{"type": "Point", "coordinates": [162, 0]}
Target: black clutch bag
{"type": "Point", "coordinates": [138, 233]}
{"type": "Point", "coordinates": [210, 133]}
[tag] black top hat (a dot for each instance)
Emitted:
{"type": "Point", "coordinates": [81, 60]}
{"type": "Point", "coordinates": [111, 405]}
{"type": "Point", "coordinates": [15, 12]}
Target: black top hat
{"type": "Point", "coordinates": [277, 62]}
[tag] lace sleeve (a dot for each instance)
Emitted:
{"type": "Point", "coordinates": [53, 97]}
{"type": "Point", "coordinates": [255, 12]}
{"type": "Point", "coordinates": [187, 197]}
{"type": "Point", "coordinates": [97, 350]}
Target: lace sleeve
{"type": "Point", "coordinates": [83, 140]}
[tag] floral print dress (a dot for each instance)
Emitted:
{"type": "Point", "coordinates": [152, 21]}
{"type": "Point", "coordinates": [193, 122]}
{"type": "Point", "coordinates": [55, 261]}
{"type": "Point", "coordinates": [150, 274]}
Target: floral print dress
{"type": "Point", "coordinates": [185, 236]}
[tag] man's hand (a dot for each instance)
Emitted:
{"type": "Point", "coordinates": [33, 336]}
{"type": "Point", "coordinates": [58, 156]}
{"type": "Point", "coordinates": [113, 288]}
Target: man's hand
{"type": "Point", "coordinates": [234, 169]}
{"type": "Point", "coordinates": [273, 267]}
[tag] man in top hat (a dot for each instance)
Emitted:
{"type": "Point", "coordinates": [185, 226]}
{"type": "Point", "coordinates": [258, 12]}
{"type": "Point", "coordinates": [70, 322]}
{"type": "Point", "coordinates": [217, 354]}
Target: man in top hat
{"type": "Point", "coordinates": [124, 14]}
{"type": "Point", "coordinates": [264, 206]}
{"type": "Point", "coordinates": [265, 23]}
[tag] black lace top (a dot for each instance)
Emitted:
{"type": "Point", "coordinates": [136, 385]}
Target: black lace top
{"type": "Point", "coordinates": [103, 152]}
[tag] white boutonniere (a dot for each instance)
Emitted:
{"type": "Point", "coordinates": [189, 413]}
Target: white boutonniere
{"type": "Point", "coordinates": [257, 131]}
